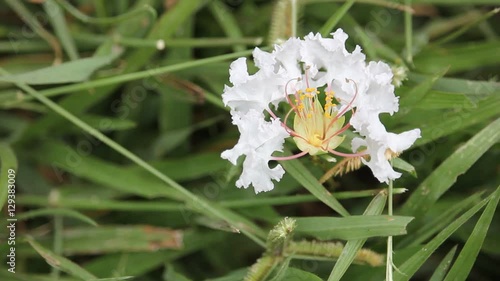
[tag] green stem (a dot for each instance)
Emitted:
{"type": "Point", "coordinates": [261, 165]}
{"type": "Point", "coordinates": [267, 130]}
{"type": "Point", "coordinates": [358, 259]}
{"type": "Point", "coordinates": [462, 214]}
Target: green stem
{"type": "Point", "coordinates": [389, 262]}
{"type": "Point", "coordinates": [196, 202]}
{"type": "Point", "coordinates": [58, 244]}
{"type": "Point", "coordinates": [466, 27]}
{"type": "Point", "coordinates": [408, 34]}
{"type": "Point", "coordinates": [335, 18]}
{"type": "Point", "coordinates": [178, 42]}
{"type": "Point", "coordinates": [60, 26]}
{"type": "Point", "coordinates": [227, 22]}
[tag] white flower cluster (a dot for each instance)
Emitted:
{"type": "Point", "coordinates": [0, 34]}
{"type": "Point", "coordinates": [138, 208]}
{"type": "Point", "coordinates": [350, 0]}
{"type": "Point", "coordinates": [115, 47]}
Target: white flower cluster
{"type": "Point", "coordinates": [292, 73]}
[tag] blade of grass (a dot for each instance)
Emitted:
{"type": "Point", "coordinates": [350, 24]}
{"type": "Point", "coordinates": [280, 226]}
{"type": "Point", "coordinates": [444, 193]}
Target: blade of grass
{"type": "Point", "coordinates": [409, 33]}
{"type": "Point", "coordinates": [455, 120]}
{"type": "Point", "coordinates": [136, 264]}
{"type": "Point", "coordinates": [246, 227]}
{"type": "Point", "coordinates": [443, 266]}
{"type": "Point", "coordinates": [412, 264]}
{"type": "Point", "coordinates": [434, 186]}
{"type": "Point", "coordinates": [466, 27]}
{"type": "Point", "coordinates": [119, 79]}
{"type": "Point", "coordinates": [58, 225]}
{"type": "Point", "coordinates": [376, 207]}
{"type": "Point", "coordinates": [32, 21]}
{"type": "Point", "coordinates": [227, 21]}
{"type": "Point", "coordinates": [304, 177]}
{"type": "Point", "coordinates": [62, 157]}
{"type": "Point", "coordinates": [119, 239]}
{"type": "Point", "coordinates": [61, 263]}
{"type": "Point", "coordinates": [437, 223]}
{"type": "Point", "coordinates": [56, 212]}
{"type": "Point", "coordinates": [8, 169]}
{"type": "Point", "coordinates": [352, 227]}
{"type": "Point", "coordinates": [335, 18]}
{"type": "Point", "coordinates": [455, 2]}
{"type": "Point", "coordinates": [417, 93]}
{"type": "Point", "coordinates": [458, 57]}
{"type": "Point", "coordinates": [467, 257]}
{"type": "Point", "coordinates": [150, 11]}
{"type": "Point", "coordinates": [69, 72]}
{"type": "Point", "coordinates": [60, 26]}
{"type": "Point", "coordinates": [208, 42]}
{"type": "Point", "coordinates": [75, 202]}
{"type": "Point", "coordinates": [473, 89]}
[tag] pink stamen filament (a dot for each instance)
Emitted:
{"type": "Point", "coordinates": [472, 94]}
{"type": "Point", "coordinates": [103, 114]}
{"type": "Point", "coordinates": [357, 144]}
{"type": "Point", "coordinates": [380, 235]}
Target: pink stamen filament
{"type": "Point", "coordinates": [363, 153]}
{"type": "Point", "coordinates": [347, 107]}
{"type": "Point", "coordinates": [271, 113]}
{"type": "Point", "coordinates": [291, 157]}
{"type": "Point", "coordinates": [292, 104]}
{"type": "Point", "coordinates": [346, 126]}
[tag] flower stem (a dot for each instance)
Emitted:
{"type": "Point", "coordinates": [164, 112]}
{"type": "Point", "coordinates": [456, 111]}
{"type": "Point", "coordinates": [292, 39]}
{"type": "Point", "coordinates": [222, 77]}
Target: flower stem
{"type": "Point", "coordinates": [408, 33]}
{"type": "Point", "coordinates": [389, 263]}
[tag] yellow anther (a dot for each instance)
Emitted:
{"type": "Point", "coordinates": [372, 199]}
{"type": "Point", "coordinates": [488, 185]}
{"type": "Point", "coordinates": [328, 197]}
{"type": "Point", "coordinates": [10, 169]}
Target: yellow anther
{"type": "Point", "coordinates": [330, 93]}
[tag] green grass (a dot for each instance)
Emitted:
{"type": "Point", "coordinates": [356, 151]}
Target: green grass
{"type": "Point", "coordinates": [112, 121]}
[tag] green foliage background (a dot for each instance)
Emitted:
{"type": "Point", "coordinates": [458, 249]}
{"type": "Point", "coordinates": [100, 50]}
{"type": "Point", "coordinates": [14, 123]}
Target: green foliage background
{"type": "Point", "coordinates": [116, 141]}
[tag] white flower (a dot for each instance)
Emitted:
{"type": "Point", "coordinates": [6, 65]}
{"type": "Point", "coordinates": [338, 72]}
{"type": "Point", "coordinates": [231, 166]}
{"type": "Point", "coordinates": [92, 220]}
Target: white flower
{"type": "Point", "coordinates": [258, 140]}
{"type": "Point", "coordinates": [347, 83]}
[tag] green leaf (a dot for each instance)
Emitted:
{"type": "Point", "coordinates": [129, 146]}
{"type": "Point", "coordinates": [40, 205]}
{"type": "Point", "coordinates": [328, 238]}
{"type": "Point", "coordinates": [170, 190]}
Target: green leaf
{"type": "Point", "coordinates": [68, 72]}
{"type": "Point", "coordinates": [298, 171]}
{"type": "Point", "coordinates": [455, 2]}
{"type": "Point", "coordinates": [353, 227]}
{"type": "Point", "coordinates": [61, 263]}
{"type": "Point", "coordinates": [56, 211]}
{"type": "Point", "coordinates": [437, 183]}
{"type": "Point", "coordinates": [235, 275]}
{"type": "Point", "coordinates": [19, 276]}
{"type": "Point", "coordinates": [334, 19]}
{"type": "Point", "coordinates": [470, 88]}
{"type": "Point", "coordinates": [458, 58]}
{"type": "Point", "coordinates": [171, 274]}
{"type": "Point", "coordinates": [456, 119]}
{"type": "Point", "coordinates": [412, 264]}
{"type": "Point", "coordinates": [444, 100]}
{"type": "Point", "coordinates": [352, 247]}
{"type": "Point", "coordinates": [120, 239]}
{"type": "Point", "coordinates": [417, 93]}
{"type": "Point", "coordinates": [136, 264]}
{"type": "Point", "coordinates": [467, 257]}
{"type": "Point", "coordinates": [64, 158]}
{"type": "Point", "coordinates": [443, 266]}
{"type": "Point", "coordinates": [295, 274]}
{"type": "Point", "coordinates": [405, 166]}
{"type": "Point", "coordinates": [437, 222]}
{"type": "Point", "coordinates": [8, 169]}
{"type": "Point", "coordinates": [60, 26]}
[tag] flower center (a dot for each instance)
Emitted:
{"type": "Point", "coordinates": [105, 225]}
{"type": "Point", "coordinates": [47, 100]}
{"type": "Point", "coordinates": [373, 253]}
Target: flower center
{"type": "Point", "coordinates": [316, 140]}
{"type": "Point", "coordinates": [316, 126]}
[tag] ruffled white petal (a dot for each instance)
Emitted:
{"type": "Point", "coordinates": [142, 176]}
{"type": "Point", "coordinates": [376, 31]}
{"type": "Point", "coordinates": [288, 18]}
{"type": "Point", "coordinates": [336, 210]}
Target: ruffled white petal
{"type": "Point", "coordinates": [258, 140]}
